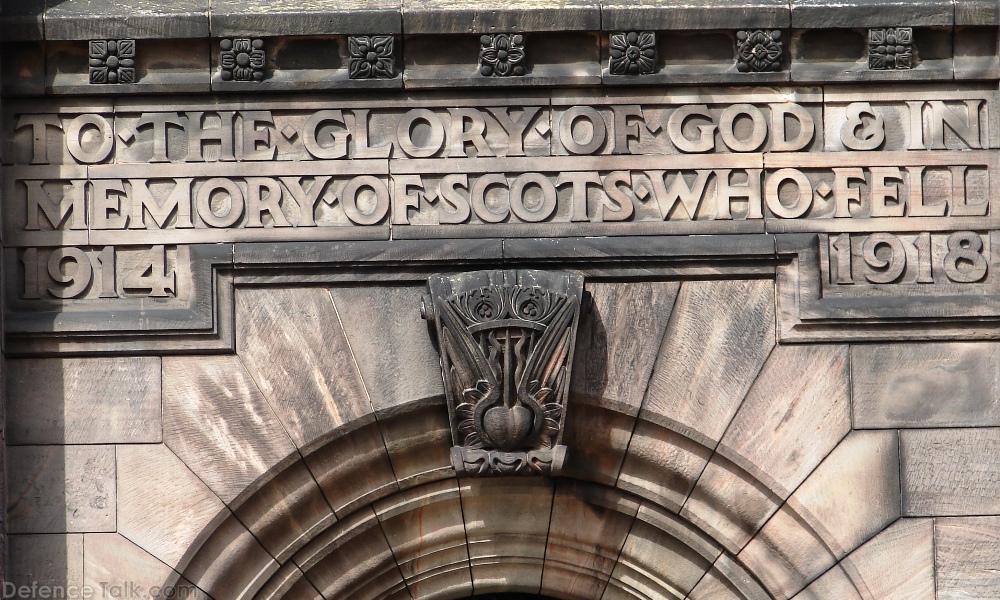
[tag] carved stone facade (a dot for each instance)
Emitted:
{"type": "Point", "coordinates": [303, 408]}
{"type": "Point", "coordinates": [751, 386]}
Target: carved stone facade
{"type": "Point", "coordinates": [588, 300]}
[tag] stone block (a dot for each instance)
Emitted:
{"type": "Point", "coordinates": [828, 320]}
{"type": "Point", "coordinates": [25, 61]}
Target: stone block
{"type": "Point", "coordinates": [293, 345]}
{"type": "Point", "coordinates": [950, 472]}
{"type": "Point", "coordinates": [316, 17]}
{"type": "Point", "coordinates": [809, 14]}
{"type": "Point", "coordinates": [507, 553]}
{"type": "Point", "coordinates": [390, 342]}
{"type": "Point", "coordinates": [231, 563]}
{"type": "Point", "coordinates": [425, 530]}
{"type": "Point", "coordinates": [112, 564]}
{"type": "Point", "coordinates": [51, 560]}
{"type": "Point", "coordinates": [854, 493]}
{"type": "Point", "coordinates": [113, 19]}
{"type": "Point", "coordinates": [162, 506]}
{"type": "Point", "coordinates": [579, 560]}
{"type": "Point", "coordinates": [897, 563]}
{"type": "Point", "coordinates": [796, 412]}
{"type": "Point", "coordinates": [926, 385]}
{"type": "Point", "coordinates": [84, 400]}
{"type": "Point", "coordinates": [217, 422]}
{"type": "Point", "coordinates": [663, 556]}
{"type": "Point", "coordinates": [966, 557]}
{"type": "Point", "coordinates": [58, 489]}
{"type": "Point", "coordinates": [662, 465]}
{"type": "Point", "coordinates": [353, 470]}
{"type": "Point", "coordinates": [622, 15]}
{"type": "Point", "coordinates": [719, 336]}
{"type": "Point", "coordinates": [471, 16]}
{"type": "Point", "coordinates": [612, 363]}
{"type": "Point", "coordinates": [293, 491]}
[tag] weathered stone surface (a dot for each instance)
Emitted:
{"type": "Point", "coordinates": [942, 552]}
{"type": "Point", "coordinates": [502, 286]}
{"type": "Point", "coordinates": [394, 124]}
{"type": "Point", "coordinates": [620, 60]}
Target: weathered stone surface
{"type": "Point", "coordinates": [663, 556]}
{"type": "Point", "coordinates": [162, 506]}
{"type": "Point", "coordinates": [231, 563]}
{"type": "Point", "coordinates": [55, 559]}
{"type": "Point", "coordinates": [57, 489]}
{"type": "Point", "coordinates": [662, 465]}
{"type": "Point", "coordinates": [112, 19]}
{"type": "Point", "coordinates": [729, 503]}
{"type": "Point", "coordinates": [425, 529]}
{"type": "Point", "coordinates": [796, 412]}
{"type": "Point", "coordinates": [613, 363]}
{"type": "Point", "coordinates": [728, 579]}
{"type": "Point", "coordinates": [110, 561]}
{"type": "Point", "coordinates": [292, 491]}
{"type": "Point", "coordinates": [833, 584]}
{"type": "Point", "coordinates": [965, 557]}
{"type": "Point", "coordinates": [309, 17]}
{"type": "Point", "coordinates": [292, 343]}
{"type": "Point", "coordinates": [871, 13]}
{"type": "Point", "coordinates": [351, 560]}
{"type": "Point", "coordinates": [506, 525]}
{"type": "Point", "coordinates": [927, 385]}
{"type": "Point", "coordinates": [83, 400]}
{"type": "Point", "coordinates": [719, 336]}
{"type": "Point", "coordinates": [897, 563]}
{"type": "Point", "coordinates": [687, 14]}
{"type": "Point", "coordinates": [950, 471]}
{"type": "Point", "coordinates": [854, 493]}
{"type": "Point", "coordinates": [469, 16]}
{"type": "Point", "coordinates": [579, 560]}
{"type": "Point", "coordinates": [216, 421]}
{"type": "Point", "coordinates": [353, 470]}
{"type": "Point", "coordinates": [390, 342]}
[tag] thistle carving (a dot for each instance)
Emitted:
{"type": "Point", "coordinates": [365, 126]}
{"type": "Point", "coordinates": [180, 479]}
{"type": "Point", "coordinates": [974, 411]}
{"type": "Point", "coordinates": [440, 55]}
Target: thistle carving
{"type": "Point", "coordinates": [506, 341]}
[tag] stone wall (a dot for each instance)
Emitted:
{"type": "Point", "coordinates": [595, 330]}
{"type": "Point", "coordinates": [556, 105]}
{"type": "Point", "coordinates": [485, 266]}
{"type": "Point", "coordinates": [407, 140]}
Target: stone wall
{"type": "Point", "coordinates": [224, 233]}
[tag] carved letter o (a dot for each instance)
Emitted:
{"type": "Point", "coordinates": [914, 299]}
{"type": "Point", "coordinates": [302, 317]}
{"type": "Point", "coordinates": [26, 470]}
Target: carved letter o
{"type": "Point", "coordinates": [598, 130]}
{"type": "Point", "coordinates": [548, 205]}
{"type": "Point", "coordinates": [203, 202]}
{"type": "Point", "coordinates": [758, 133]}
{"type": "Point", "coordinates": [805, 193]}
{"type": "Point", "coordinates": [405, 129]}
{"type": "Point", "coordinates": [75, 129]}
{"type": "Point", "coordinates": [349, 200]}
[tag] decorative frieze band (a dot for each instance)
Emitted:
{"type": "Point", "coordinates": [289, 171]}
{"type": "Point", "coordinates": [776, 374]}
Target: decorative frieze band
{"type": "Point", "coordinates": [629, 57]}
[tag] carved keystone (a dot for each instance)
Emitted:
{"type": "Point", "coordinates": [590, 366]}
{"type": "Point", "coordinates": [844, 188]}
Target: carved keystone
{"type": "Point", "coordinates": [506, 340]}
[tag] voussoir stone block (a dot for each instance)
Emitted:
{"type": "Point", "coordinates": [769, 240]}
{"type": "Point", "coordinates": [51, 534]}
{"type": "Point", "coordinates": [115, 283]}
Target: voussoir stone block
{"type": "Point", "coordinates": [113, 563]}
{"type": "Point", "coordinates": [162, 506]}
{"type": "Point", "coordinates": [898, 563]}
{"type": "Point", "coordinates": [102, 400]}
{"type": "Point", "coordinates": [216, 421]}
{"type": "Point", "coordinates": [950, 472]}
{"type": "Point", "coordinates": [926, 385]}
{"type": "Point", "coordinates": [390, 341]}
{"type": "Point", "coordinates": [294, 347]}
{"type": "Point", "coordinates": [719, 336]}
{"type": "Point", "coordinates": [57, 489]}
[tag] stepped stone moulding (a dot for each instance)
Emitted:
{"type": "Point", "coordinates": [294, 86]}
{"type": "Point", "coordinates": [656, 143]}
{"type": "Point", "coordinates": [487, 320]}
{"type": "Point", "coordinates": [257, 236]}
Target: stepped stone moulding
{"type": "Point", "coordinates": [758, 51]}
{"type": "Point", "coordinates": [371, 57]}
{"type": "Point", "coordinates": [501, 55]}
{"type": "Point", "coordinates": [633, 53]}
{"type": "Point", "coordinates": [506, 340]}
{"type": "Point", "coordinates": [242, 59]}
{"type": "Point", "coordinates": [890, 48]}
{"type": "Point", "coordinates": [112, 61]}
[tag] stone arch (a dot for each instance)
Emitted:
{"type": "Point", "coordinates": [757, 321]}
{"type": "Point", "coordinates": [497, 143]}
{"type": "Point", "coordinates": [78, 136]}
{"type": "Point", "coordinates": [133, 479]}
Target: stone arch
{"type": "Point", "coordinates": [774, 516]}
{"type": "Point", "coordinates": [567, 538]}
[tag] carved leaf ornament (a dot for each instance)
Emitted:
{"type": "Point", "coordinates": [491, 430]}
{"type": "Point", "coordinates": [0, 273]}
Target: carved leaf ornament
{"type": "Point", "coordinates": [506, 341]}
